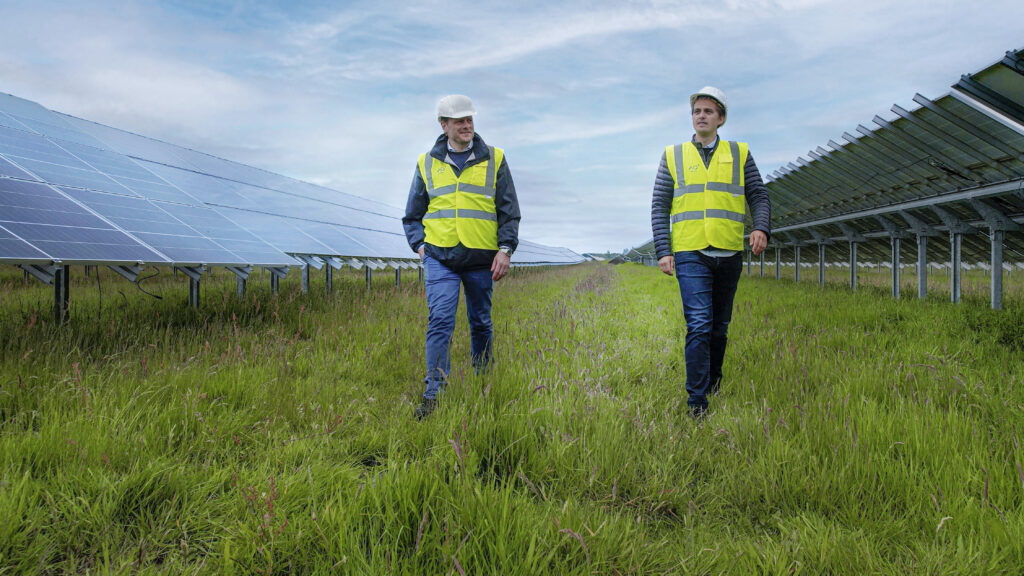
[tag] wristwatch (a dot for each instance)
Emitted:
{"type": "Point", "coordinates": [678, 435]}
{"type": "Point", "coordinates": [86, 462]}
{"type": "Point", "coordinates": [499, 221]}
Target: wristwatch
{"type": "Point", "coordinates": [505, 250]}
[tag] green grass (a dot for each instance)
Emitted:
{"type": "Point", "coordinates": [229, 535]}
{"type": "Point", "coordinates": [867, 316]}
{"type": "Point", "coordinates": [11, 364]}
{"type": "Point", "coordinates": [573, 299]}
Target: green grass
{"type": "Point", "coordinates": [855, 434]}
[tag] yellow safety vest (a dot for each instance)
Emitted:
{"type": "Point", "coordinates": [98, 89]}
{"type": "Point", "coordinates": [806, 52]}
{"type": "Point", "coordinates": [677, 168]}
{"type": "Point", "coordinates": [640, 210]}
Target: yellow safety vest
{"type": "Point", "coordinates": [708, 204]}
{"type": "Point", "coordinates": [461, 208]}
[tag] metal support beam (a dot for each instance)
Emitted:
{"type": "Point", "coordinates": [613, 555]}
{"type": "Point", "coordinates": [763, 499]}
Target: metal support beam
{"type": "Point", "coordinates": [750, 259]}
{"type": "Point", "coordinates": [328, 278]}
{"type": "Point", "coordinates": [997, 269]}
{"type": "Point", "coordinates": [796, 263]}
{"type": "Point", "coordinates": [853, 265]}
{"type": "Point", "coordinates": [44, 274]}
{"type": "Point", "coordinates": [821, 264]}
{"type": "Point", "coordinates": [922, 266]}
{"type": "Point", "coordinates": [129, 273]}
{"type": "Point", "coordinates": [305, 278]}
{"type": "Point", "coordinates": [61, 294]}
{"type": "Point", "coordinates": [991, 98]}
{"type": "Point", "coordinates": [195, 274]}
{"type": "Point", "coordinates": [398, 277]}
{"type": "Point", "coordinates": [955, 238]}
{"type": "Point", "coordinates": [369, 275]}
{"type": "Point", "coordinates": [242, 274]}
{"type": "Point", "coordinates": [762, 264]}
{"type": "Point", "coordinates": [895, 241]}
{"type": "Point", "coordinates": [275, 277]}
{"type": "Point", "coordinates": [778, 263]}
{"type": "Point", "coordinates": [927, 203]}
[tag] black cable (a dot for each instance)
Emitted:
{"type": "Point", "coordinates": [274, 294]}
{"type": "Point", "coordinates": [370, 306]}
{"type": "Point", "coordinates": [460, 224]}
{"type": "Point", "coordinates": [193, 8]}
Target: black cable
{"type": "Point", "coordinates": [138, 284]}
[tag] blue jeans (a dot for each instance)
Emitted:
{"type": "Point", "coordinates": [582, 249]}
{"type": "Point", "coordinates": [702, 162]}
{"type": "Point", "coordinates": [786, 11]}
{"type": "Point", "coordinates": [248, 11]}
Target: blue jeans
{"type": "Point", "coordinates": [707, 285]}
{"type": "Point", "coordinates": [443, 301]}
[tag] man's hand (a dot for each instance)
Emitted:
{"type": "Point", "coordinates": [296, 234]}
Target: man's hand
{"type": "Point", "coordinates": [667, 264]}
{"type": "Point", "coordinates": [499, 267]}
{"type": "Point", "coordinates": [758, 242]}
{"type": "Point", "coordinates": [422, 251]}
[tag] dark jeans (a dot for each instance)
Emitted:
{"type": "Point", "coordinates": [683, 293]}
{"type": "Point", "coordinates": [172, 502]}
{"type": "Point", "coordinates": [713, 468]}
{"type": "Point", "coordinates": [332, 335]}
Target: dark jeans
{"type": "Point", "coordinates": [707, 285]}
{"type": "Point", "coordinates": [442, 285]}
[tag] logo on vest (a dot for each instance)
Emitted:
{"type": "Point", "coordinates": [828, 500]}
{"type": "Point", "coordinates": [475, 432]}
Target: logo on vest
{"type": "Point", "coordinates": [692, 168]}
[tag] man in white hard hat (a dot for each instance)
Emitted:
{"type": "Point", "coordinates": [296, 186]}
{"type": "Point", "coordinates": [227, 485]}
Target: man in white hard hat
{"type": "Point", "coordinates": [462, 217]}
{"type": "Point", "coordinates": [701, 194]}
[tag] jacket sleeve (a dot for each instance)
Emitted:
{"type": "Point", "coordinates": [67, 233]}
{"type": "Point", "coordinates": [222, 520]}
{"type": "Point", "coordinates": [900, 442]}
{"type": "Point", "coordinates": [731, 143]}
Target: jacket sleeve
{"type": "Point", "coordinates": [757, 197]}
{"type": "Point", "coordinates": [661, 206]}
{"type": "Point", "coordinates": [506, 204]}
{"type": "Point", "coordinates": [415, 208]}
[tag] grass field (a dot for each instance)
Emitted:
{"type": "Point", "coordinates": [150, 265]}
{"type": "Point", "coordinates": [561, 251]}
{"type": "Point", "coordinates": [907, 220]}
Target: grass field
{"type": "Point", "coordinates": [855, 434]}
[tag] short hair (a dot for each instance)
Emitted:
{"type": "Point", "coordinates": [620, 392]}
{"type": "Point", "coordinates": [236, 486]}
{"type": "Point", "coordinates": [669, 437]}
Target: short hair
{"type": "Point", "coordinates": [721, 109]}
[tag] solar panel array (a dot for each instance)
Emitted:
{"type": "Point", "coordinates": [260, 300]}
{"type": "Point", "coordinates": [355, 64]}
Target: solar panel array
{"type": "Point", "coordinates": [952, 165]}
{"type": "Point", "coordinates": [77, 192]}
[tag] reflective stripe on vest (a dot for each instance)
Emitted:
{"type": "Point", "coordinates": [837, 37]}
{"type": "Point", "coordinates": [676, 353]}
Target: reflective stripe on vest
{"type": "Point", "coordinates": [708, 203]}
{"type": "Point", "coordinates": [461, 208]}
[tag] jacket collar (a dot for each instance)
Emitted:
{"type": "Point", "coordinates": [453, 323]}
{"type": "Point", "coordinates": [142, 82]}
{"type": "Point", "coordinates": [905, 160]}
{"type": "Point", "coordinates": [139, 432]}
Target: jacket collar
{"type": "Point", "coordinates": [480, 150]}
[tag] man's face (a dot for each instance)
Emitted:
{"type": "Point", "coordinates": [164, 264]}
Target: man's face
{"type": "Point", "coordinates": [706, 117]}
{"type": "Point", "coordinates": [459, 131]}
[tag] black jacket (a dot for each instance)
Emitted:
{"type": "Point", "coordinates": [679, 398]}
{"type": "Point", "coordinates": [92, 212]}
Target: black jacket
{"type": "Point", "coordinates": [460, 258]}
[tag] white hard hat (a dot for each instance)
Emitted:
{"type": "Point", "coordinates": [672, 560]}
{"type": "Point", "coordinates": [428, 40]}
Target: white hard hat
{"type": "Point", "coordinates": [455, 106]}
{"type": "Point", "coordinates": [716, 95]}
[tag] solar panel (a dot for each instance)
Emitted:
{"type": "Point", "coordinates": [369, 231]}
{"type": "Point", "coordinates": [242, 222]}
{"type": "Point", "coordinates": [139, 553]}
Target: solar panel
{"type": "Point", "coordinates": [282, 233]}
{"type": "Point", "coordinates": [14, 248]}
{"type": "Point", "coordinates": [53, 164]}
{"type": "Point", "coordinates": [61, 228]}
{"type": "Point", "coordinates": [24, 108]}
{"type": "Point", "coordinates": [346, 241]}
{"type": "Point", "coordinates": [155, 227]}
{"type": "Point", "coordinates": [129, 144]}
{"type": "Point", "coordinates": [8, 169]}
{"type": "Point", "coordinates": [227, 234]}
{"type": "Point", "coordinates": [121, 196]}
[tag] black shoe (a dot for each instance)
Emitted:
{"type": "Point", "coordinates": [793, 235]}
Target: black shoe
{"type": "Point", "coordinates": [698, 412]}
{"type": "Point", "coordinates": [426, 408]}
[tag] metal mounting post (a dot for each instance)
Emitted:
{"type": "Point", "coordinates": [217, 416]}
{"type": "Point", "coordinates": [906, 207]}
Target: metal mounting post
{"type": "Point", "coordinates": [796, 263]}
{"type": "Point", "coordinates": [821, 264]}
{"type": "Point", "coordinates": [997, 269]}
{"type": "Point", "coordinates": [242, 274]}
{"type": "Point", "coordinates": [853, 266]}
{"type": "Point", "coordinates": [955, 238]}
{"type": "Point", "coordinates": [895, 267]}
{"type": "Point", "coordinates": [61, 294]}
{"type": "Point", "coordinates": [922, 266]}
{"type": "Point", "coordinates": [275, 277]}
{"type": "Point", "coordinates": [195, 274]}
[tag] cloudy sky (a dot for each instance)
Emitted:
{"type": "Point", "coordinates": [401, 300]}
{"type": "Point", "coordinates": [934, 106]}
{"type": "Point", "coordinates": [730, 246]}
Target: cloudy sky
{"type": "Point", "coordinates": [582, 95]}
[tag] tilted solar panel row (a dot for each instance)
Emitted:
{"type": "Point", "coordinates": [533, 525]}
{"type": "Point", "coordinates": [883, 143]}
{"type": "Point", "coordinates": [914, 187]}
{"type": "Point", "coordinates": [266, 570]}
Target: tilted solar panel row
{"type": "Point", "coordinates": [102, 195]}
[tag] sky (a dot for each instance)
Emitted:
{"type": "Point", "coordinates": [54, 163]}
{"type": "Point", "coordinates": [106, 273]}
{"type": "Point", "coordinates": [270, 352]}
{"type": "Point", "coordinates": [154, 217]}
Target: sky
{"type": "Point", "coordinates": [583, 96]}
